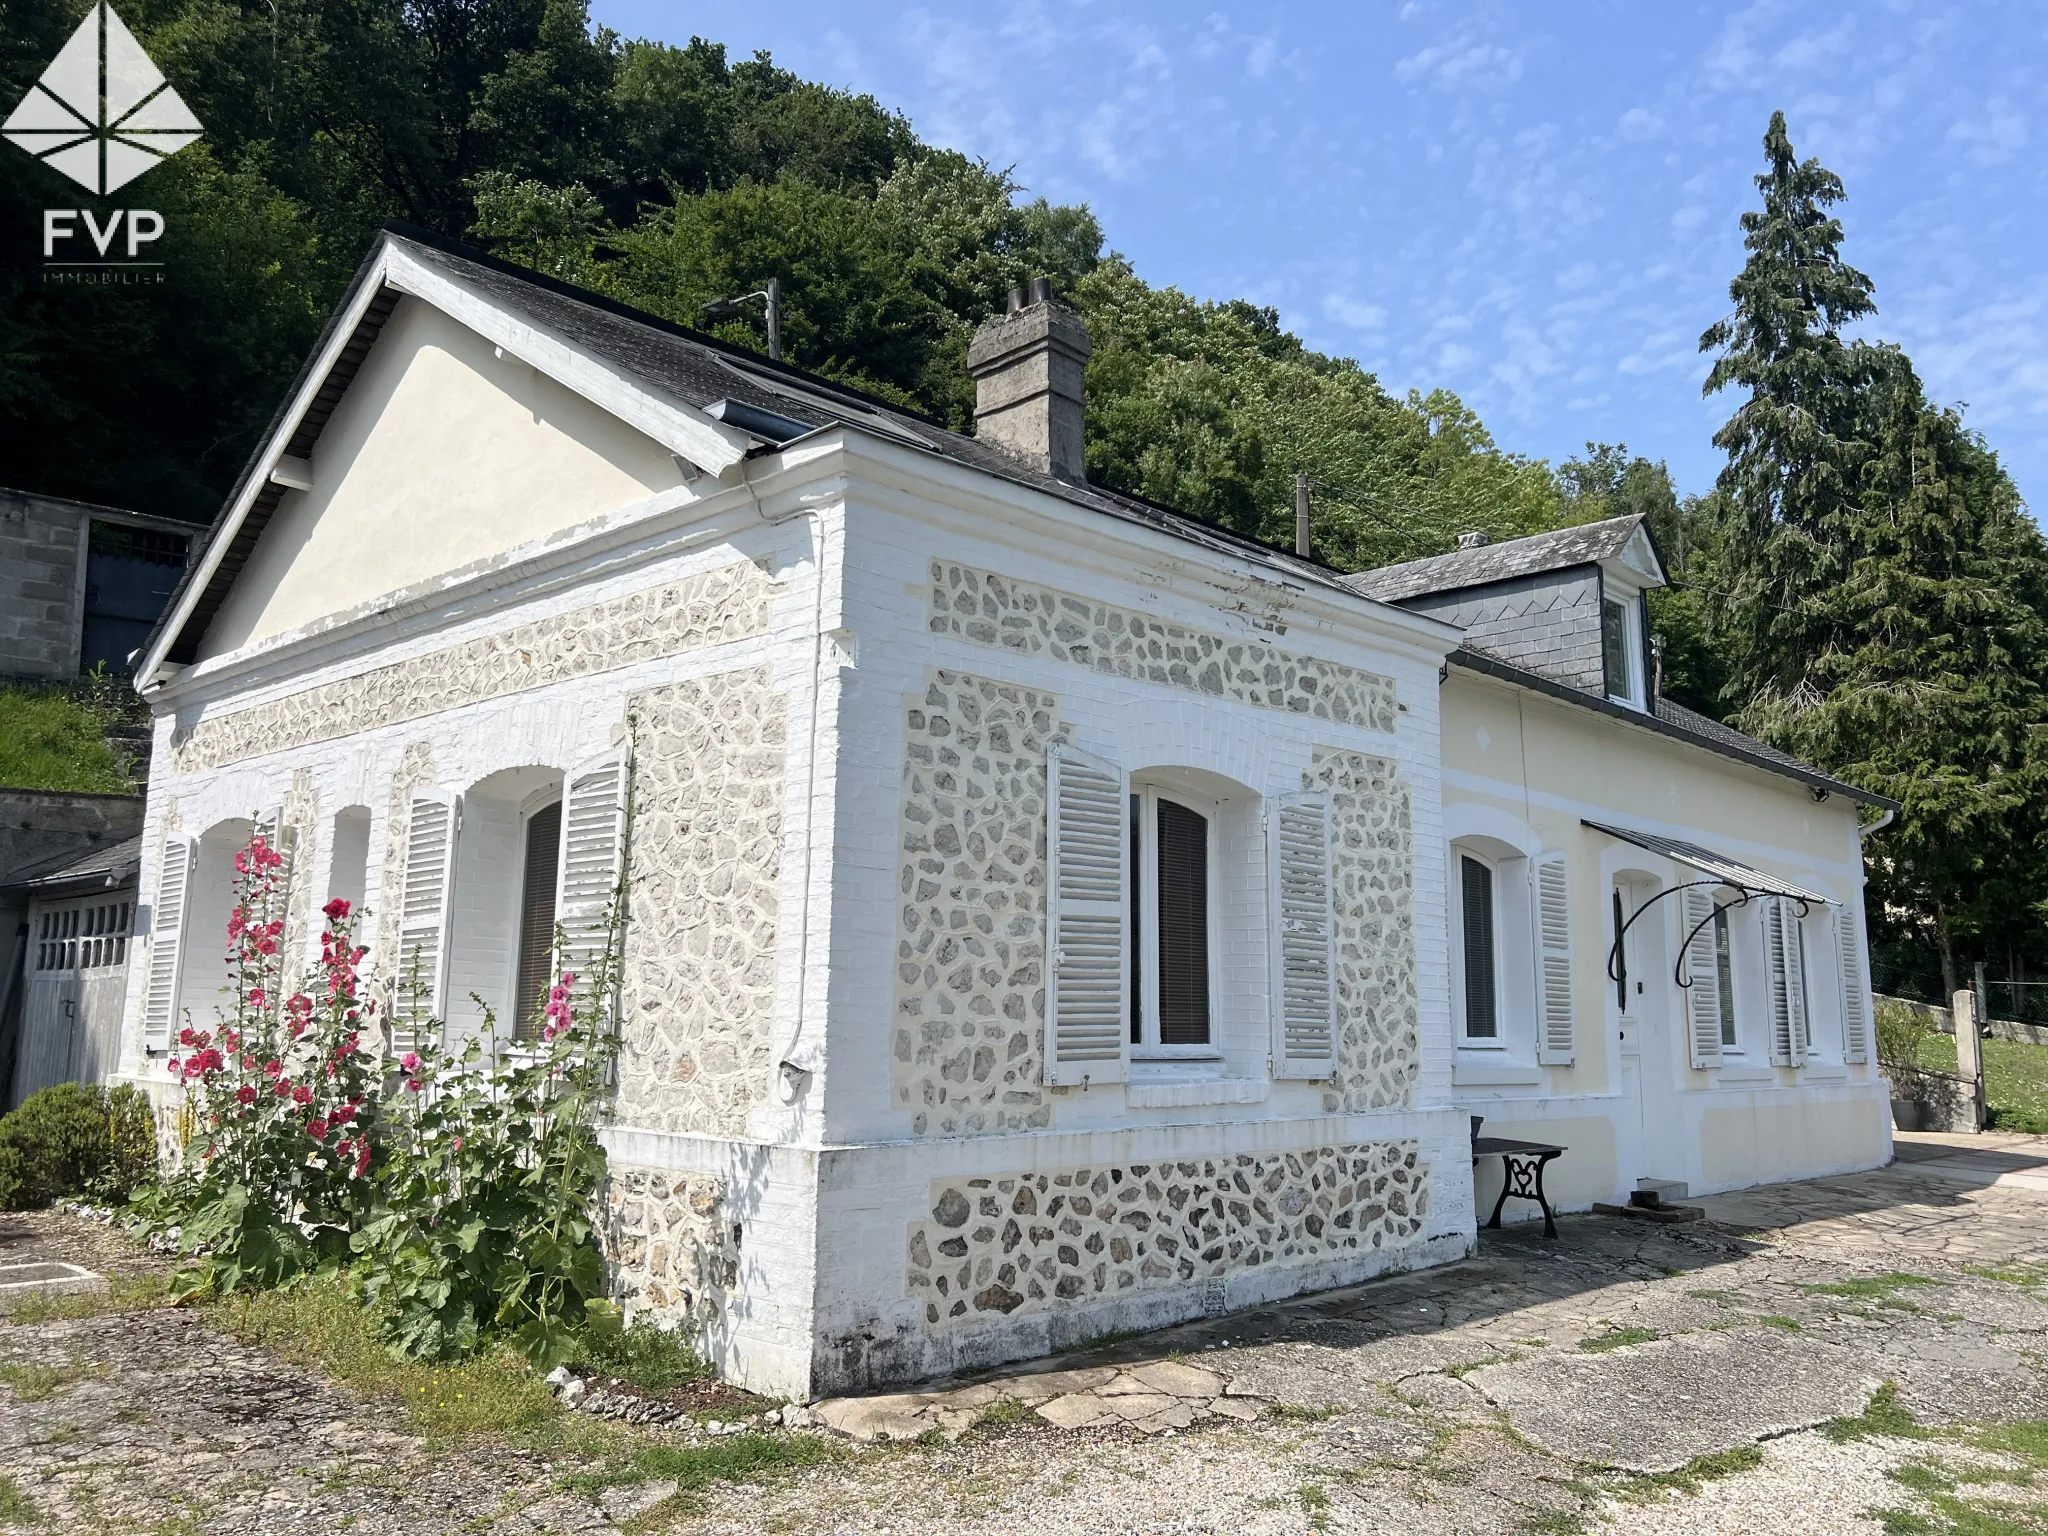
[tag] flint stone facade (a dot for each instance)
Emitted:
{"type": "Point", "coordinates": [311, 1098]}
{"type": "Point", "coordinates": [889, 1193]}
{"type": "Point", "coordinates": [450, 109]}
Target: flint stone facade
{"type": "Point", "coordinates": [837, 669]}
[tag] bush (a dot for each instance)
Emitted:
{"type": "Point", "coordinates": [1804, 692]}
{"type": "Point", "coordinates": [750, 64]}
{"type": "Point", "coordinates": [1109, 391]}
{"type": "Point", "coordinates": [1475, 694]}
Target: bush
{"type": "Point", "coordinates": [1900, 1030]}
{"type": "Point", "coordinates": [75, 1139]}
{"type": "Point", "coordinates": [646, 1354]}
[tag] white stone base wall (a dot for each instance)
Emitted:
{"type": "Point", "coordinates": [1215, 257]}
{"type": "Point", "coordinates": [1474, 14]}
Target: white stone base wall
{"type": "Point", "coordinates": [1305, 1205]}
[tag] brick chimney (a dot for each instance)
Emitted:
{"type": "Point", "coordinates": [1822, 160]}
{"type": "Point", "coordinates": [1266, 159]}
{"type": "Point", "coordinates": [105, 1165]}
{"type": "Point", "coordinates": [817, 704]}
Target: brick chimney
{"type": "Point", "coordinates": [1027, 382]}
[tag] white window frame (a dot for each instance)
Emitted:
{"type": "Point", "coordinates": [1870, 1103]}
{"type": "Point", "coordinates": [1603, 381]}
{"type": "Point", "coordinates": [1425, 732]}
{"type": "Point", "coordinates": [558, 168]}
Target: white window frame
{"type": "Point", "coordinates": [1145, 983]}
{"type": "Point", "coordinates": [1630, 602]}
{"type": "Point", "coordinates": [1730, 986]}
{"type": "Point", "coordinates": [1460, 987]}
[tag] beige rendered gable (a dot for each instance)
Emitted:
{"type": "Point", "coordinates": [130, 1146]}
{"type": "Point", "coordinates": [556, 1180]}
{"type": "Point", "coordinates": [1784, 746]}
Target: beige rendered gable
{"type": "Point", "coordinates": [442, 453]}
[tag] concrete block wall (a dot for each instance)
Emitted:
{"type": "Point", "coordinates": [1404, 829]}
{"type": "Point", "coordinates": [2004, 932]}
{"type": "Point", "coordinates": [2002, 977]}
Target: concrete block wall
{"type": "Point", "coordinates": [43, 546]}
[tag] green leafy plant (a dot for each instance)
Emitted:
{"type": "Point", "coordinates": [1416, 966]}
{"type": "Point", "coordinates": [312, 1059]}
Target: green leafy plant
{"type": "Point", "coordinates": [73, 1139]}
{"type": "Point", "coordinates": [644, 1354]}
{"type": "Point", "coordinates": [451, 1186]}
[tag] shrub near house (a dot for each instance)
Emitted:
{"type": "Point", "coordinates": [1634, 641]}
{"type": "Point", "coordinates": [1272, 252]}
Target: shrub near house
{"type": "Point", "coordinates": [451, 1187]}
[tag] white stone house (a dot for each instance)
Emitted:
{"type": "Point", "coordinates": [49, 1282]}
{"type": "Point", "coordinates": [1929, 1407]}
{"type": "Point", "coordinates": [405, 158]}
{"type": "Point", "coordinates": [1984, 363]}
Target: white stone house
{"type": "Point", "coordinates": [1037, 920]}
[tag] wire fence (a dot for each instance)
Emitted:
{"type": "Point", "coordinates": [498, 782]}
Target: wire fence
{"type": "Point", "coordinates": [1914, 973]}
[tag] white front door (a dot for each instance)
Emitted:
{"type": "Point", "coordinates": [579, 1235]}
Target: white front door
{"type": "Point", "coordinates": [1639, 1001]}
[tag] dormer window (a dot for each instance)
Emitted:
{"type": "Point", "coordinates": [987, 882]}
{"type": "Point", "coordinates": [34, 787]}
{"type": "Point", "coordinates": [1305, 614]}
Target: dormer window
{"type": "Point", "coordinates": [1620, 642]}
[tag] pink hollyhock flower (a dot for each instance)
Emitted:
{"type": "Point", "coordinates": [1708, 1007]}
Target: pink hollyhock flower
{"type": "Point", "coordinates": [412, 1085]}
{"type": "Point", "coordinates": [457, 1144]}
{"type": "Point", "coordinates": [209, 1059]}
{"type": "Point", "coordinates": [362, 1158]}
{"type": "Point", "coordinates": [317, 1129]}
{"type": "Point", "coordinates": [273, 1068]}
{"type": "Point", "coordinates": [175, 1066]}
{"type": "Point", "coordinates": [245, 1095]}
{"type": "Point", "coordinates": [242, 862]}
{"type": "Point", "coordinates": [302, 1094]}
{"type": "Point", "coordinates": [185, 1035]}
{"type": "Point", "coordinates": [410, 1061]}
{"type": "Point", "coordinates": [284, 1088]}
{"type": "Point", "coordinates": [558, 994]}
{"type": "Point", "coordinates": [258, 997]}
{"type": "Point", "coordinates": [335, 910]}
{"type": "Point", "coordinates": [268, 946]}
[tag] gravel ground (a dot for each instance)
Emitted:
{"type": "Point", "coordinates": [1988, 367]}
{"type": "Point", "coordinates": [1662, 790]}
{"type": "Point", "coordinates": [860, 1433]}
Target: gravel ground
{"type": "Point", "coordinates": [1628, 1377]}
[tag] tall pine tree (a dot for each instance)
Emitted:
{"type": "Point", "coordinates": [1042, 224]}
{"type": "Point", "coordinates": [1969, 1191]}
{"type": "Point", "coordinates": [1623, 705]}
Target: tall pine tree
{"type": "Point", "coordinates": [1877, 588]}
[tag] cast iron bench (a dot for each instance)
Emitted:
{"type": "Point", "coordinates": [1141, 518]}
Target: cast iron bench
{"type": "Point", "coordinates": [1521, 1165]}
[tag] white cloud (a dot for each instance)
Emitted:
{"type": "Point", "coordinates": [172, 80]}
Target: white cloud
{"type": "Point", "coordinates": [1997, 135]}
{"type": "Point", "coordinates": [1639, 123]}
{"type": "Point", "coordinates": [1354, 313]}
{"type": "Point", "coordinates": [1461, 61]}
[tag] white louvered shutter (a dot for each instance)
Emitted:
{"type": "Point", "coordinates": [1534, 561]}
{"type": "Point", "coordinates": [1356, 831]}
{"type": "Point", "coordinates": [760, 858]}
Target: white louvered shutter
{"type": "Point", "coordinates": [1855, 998]}
{"type": "Point", "coordinates": [1088, 853]}
{"type": "Point", "coordinates": [1556, 1036]}
{"type": "Point", "coordinates": [167, 943]}
{"type": "Point", "coordinates": [424, 909]}
{"type": "Point", "coordinates": [1304, 979]}
{"type": "Point", "coordinates": [1703, 997]}
{"type": "Point", "coordinates": [593, 843]}
{"type": "Point", "coordinates": [1784, 1036]}
{"type": "Point", "coordinates": [1795, 978]}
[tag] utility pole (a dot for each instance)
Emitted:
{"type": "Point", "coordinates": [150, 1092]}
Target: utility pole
{"type": "Point", "coordinates": [1301, 514]}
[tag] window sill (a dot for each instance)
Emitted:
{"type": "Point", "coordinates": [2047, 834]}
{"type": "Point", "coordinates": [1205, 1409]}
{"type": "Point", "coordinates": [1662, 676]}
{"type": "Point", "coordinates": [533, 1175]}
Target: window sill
{"type": "Point", "coordinates": [1745, 1074]}
{"type": "Point", "coordinates": [1498, 1073]}
{"type": "Point", "coordinates": [1824, 1072]}
{"type": "Point", "coordinates": [1183, 1092]}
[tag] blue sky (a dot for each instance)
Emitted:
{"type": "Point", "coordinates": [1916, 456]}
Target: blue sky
{"type": "Point", "coordinates": [1532, 204]}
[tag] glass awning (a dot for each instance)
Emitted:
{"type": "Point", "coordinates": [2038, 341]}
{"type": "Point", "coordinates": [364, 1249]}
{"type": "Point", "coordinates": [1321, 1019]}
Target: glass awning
{"type": "Point", "coordinates": [1731, 872]}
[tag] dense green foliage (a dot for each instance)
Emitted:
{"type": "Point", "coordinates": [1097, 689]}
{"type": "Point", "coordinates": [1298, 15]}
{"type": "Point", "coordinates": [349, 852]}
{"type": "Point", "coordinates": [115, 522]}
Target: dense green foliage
{"type": "Point", "coordinates": [1874, 587]}
{"type": "Point", "coordinates": [75, 1139]}
{"type": "Point", "coordinates": [55, 738]}
{"type": "Point", "coordinates": [667, 177]}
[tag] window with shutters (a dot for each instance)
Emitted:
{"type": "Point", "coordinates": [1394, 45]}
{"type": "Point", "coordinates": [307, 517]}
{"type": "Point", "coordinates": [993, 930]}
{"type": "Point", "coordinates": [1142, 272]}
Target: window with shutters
{"type": "Point", "coordinates": [1494, 964]}
{"type": "Point", "coordinates": [1174, 854]}
{"type": "Point", "coordinates": [203, 978]}
{"type": "Point", "coordinates": [499, 900]}
{"type": "Point", "coordinates": [348, 860]}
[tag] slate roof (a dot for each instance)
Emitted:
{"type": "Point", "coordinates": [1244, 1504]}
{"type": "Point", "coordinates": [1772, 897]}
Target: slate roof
{"type": "Point", "coordinates": [674, 361]}
{"type": "Point", "coordinates": [1557, 550]}
{"type": "Point", "coordinates": [104, 866]}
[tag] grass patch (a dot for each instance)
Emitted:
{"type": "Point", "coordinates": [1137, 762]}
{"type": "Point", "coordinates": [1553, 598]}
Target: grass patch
{"type": "Point", "coordinates": [1004, 1413]}
{"type": "Point", "coordinates": [645, 1355]}
{"type": "Point", "coordinates": [2015, 1080]}
{"type": "Point", "coordinates": [1617, 1338]}
{"type": "Point", "coordinates": [16, 1507]}
{"type": "Point", "coordinates": [51, 739]}
{"type": "Point", "coordinates": [2020, 1273]}
{"type": "Point", "coordinates": [124, 1293]}
{"type": "Point", "coordinates": [1726, 1298]}
{"type": "Point", "coordinates": [1881, 1290]}
{"type": "Point", "coordinates": [1298, 1413]}
{"type": "Point", "coordinates": [1693, 1476]}
{"type": "Point", "coordinates": [323, 1328]}
{"type": "Point", "coordinates": [1554, 1522]}
{"type": "Point", "coordinates": [33, 1383]}
{"type": "Point", "coordinates": [1465, 1368]}
{"type": "Point", "coordinates": [742, 1458]}
{"type": "Point", "coordinates": [1779, 1320]}
{"type": "Point", "coordinates": [1884, 1415]}
{"type": "Point", "coordinates": [1315, 1502]}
